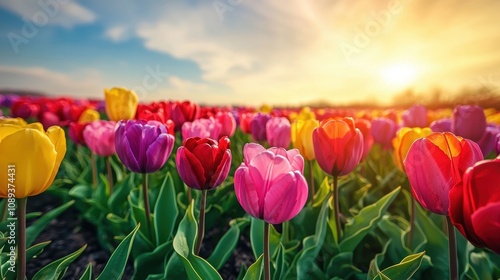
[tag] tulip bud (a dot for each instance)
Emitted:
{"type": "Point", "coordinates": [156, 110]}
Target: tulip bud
{"type": "Point", "coordinates": [270, 184]}
{"type": "Point", "coordinates": [402, 143]}
{"type": "Point", "coordinates": [278, 132]}
{"type": "Point", "coordinates": [228, 123]}
{"type": "Point", "coordinates": [302, 137]}
{"type": "Point", "coordinates": [203, 163]}
{"type": "Point", "coordinates": [469, 122]}
{"type": "Point", "coordinates": [121, 103]}
{"type": "Point", "coordinates": [258, 126]}
{"type": "Point", "coordinates": [100, 137]}
{"type": "Point", "coordinates": [383, 131]}
{"type": "Point", "coordinates": [89, 115]}
{"type": "Point", "coordinates": [415, 116]}
{"type": "Point", "coordinates": [36, 155]}
{"type": "Point", "coordinates": [203, 128]}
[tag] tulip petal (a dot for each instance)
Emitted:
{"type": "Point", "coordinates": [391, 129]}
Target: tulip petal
{"type": "Point", "coordinates": [246, 192]}
{"type": "Point", "coordinates": [34, 157]}
{"type": "Point", "coordinates": [486, 223]}
{"type": "Point", "coordinates": [190, 169]}
{"type": "Point", "coordinates": [158, 152]}
{"type": "Point", "coordinates": [58, 139]}
{"type": "Point", "coordinates": [222, 170]}
{"type": "Point", "coordinates": [250, 150]}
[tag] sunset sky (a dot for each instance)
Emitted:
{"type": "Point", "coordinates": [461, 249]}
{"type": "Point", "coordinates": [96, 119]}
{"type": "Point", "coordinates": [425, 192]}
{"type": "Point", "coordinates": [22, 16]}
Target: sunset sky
{"type": "Point", "coordinates": [249, 52]}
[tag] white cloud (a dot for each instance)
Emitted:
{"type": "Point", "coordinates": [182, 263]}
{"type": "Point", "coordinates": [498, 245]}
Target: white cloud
{"type": "Point", "coordinates": [117, 33]}
{"type": "Point", "coordinates": [65, 13]}
{"type": "Point", "coordinates": [85, 83]}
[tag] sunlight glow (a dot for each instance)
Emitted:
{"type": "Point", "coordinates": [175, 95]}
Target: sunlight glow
{"type": "Point", "coordinates": [399, 75]}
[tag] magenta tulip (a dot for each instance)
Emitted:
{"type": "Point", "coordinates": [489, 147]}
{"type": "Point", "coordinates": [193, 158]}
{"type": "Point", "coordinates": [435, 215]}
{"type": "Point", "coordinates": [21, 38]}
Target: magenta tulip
{"type": "Point", "coordinates": [203, 128]}
{"type": "Point", "coordinates": [279, 132]}
{"type": "Point", "coordinates": [270, 184]}
{"type": "Point", "coordinates": [100, 137]}
{"type": "Point", "coordinates": [258, 126]}
{"type": "Point", "coordinates": [227, 122]}
{"type": "Point", "coordinates": [442, 125]}
{"type": "Point", "coordinates": [436, 163]}
{"type": "Point", "coordinates": [383, 131]}
{"type": "Point", "coordinates": [415, 116]}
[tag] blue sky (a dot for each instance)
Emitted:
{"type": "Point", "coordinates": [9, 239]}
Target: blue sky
{"type": "Point", "coordinates": [249, 52]}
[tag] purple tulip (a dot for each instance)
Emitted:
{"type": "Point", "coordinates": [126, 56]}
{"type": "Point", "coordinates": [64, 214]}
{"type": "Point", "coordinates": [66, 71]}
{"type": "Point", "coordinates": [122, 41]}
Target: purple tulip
{"type": "Point", "coordinates": [488, 141]}
{"type": "Point", "coordinates": [383, 131]}
{"type": "Point", "coordinates": [469, 122]}
{"type": "Point", "coordinates": [8, 100]}
{"type": "Point", "coordinates": [142, 146]}
{"type": "Point", "coordinates": [258, 126]}
{"type": "Point", "coordinates": [100, 137]}
{"type": "Point", "coordinates": [497, 145]}
{"type": "Point", "coordinates": [203, 128]}
{"type": "Point", "coordinates": [415, 116]}
{"type": "Point", "coordinates": [279, 132]}
{"type": "Point", "coordinates": [442, 125]}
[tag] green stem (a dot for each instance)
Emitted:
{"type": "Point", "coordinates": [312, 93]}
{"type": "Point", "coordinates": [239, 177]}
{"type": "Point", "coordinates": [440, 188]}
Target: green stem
{"type": "Point", "coordinates": [336, 205]}
{"type": "Point", "coordinates": [267, 267]}
{"type": "Point", "coordinates": [4, 210]}
{"type": "Point", "coordinates": [110, 175]}
{"type": "Point", "coordinates": [189, 196]}
{"type": "Point", "coordinates": [146, 203]}
{"type": "Point", "coordinates": [93, 163]}
{"type": "Point", "coordinates": [201, 224]}
{"type": "Point", "coordinates": [452, 249]}
{"type": "Point", "coordinates": [311, 181]}
{"type": "Point", "coordinates": [21, 238]}
{"type": "Point", "coordinates": [412, 222]}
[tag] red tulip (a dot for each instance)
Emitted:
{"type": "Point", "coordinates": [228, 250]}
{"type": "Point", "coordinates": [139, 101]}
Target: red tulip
{"type": "Point", "coordinates": [338, 146]}
{"type": "Point", "coordinates": [75, 131]}
{"type": "Point", "coordinates": [365, 127]}
{"type": "Point", "coordinates": [184, 112]}
{"type": "Point", "coordinates": [436, 163]}
{"type": "Point", "coordinates": [203, 163]}
{"type": "Point", "coordinates": [475, 204]}
{"type": "Point", "coordinates": [245, 120]}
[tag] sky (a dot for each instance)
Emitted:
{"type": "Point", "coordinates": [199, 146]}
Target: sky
{"type": "Point", "coordinates": [222, 52]}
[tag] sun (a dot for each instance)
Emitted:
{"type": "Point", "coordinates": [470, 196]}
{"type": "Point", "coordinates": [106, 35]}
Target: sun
{"type": "Point", "coordinates": [399, 75]}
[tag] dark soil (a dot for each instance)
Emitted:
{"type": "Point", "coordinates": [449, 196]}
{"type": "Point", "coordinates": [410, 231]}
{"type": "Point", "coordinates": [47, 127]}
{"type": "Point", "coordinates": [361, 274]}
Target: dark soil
{"type": "Point", "coordinates": [69, 232]}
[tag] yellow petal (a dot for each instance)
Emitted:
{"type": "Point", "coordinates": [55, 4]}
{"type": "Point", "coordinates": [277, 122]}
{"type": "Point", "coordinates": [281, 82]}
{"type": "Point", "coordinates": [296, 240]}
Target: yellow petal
{"type": "Point", "coordinates": [121, 103]}
{"type": "Point", "coordinates": [8, 129]}
{"type": "Point", "coordinates": [58, 139]}
{"type": "Point", "coordinates": [89, 115]}
{"type": "Point", "coordinates": [14, 121]}
{"type": "Point", "coordinates": [33, 155]}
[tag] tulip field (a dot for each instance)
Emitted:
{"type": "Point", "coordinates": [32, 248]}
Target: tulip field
{"type": "Point", "coordinates": [175, 190]}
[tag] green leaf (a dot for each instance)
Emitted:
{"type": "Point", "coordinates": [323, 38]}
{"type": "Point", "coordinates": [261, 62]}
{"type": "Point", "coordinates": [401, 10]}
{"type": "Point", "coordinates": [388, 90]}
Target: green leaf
{"type": "Point", "coordinates": [56, 269]}
{"type": "Point", "coordinates": [257, 237]}
{"type": "Point", "coordinates": [117, 202]}
{"type": "Point", "coordinates": [151, 262]}
{"type": "Point", "coordinates": [184, 242]}
{"type": "Point", "coordinates": [403, 270]}
{"type": "Point", "coordinates": [357, 228]}
{"type": "Point", "coordinates": [35, 250]}
{"type": "Point", "coordinates": [280, 264]}
{"type": "Point", "coordinates": [322, 193]}
{"type": "Point", "coordinates": [37, 227]}
{"type": "Point", "coordinates": [165, 211]}
{"type": "Point", "coordinates": [87, 274]}
{"type": "Point", "coordinates": [225, 247]}
{"type": "Point", "coordinates": [254, 272]}
{"type": "Point", "coordinates": [116, 263]}
{"type": "Point", "coordinates": [306, 264]}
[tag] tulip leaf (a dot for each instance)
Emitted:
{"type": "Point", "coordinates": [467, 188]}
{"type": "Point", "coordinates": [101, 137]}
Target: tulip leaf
{"type": "Point", "coordinates": [257, 237]}
{"type": "Point", "coordinates": [403, 270]}
{"type": "Point", "coordinates": [87, 274]}
{"type": "Point", "coordinates": [116, 264]}
{"type": "Point", "coordinates": [165, 211]}
{"type": "Point", "coordinates": [306, 263]}
{"type": "Point", "coordinates": [151, 262]}
{"type": "Point", "coordinates": [437, 243]}
{"type": "Point", "coordinates": [184, 242]}
{"type": "Point", "coordinates": [225, 247]}
{"type": "Point", "coordinates": [56, 269]}
{"type": "Point", "coordinates": [323, 191]}
{"type": "Point", "coordinates": [280, 267]}
{"type": "Point", "coordinates": [254, 272]}
{"type": "Point", "coordinates": [37, 227]}
{"type": "Point", "coordinates": [367, 219]}
{"type": "Point", "coordinates": [117, 201]}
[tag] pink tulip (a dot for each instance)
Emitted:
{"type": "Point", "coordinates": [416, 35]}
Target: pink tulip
{"type": "Point", "coordinates": [228, 123]}
{"type": "Point", "coordinates": [270, 184]}
{"type": "Point", "coordinates": [279, 132]}
{"type": "Point", "coordinates": [203, 128]}
{"type": "Point", "coordinates": [100, 137]}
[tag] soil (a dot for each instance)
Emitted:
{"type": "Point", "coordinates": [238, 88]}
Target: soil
{"type": "Point", "coordinates": [69, 232]}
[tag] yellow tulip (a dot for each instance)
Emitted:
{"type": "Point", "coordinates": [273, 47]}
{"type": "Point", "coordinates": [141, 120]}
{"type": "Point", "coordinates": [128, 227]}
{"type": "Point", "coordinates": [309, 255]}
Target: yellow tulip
{"type": "Point", "coordinates": [265, 108]}
{"type": "Point", "coordinates": [33, 155]}
{"type": "Point", "coordinates": [121, 103]}
{"type": "Point", "coordinates": [306, 114]}
{"type": "Point", "coordinates": [494, 118]}
{"type": "Point", "coordinates": [302, 137]}
{"type": "Point", "coordinates": [403, 140]}
{"type": "Point", "coordinates": [88, 116]}
{"type": "Point", "coordinates": [14, 121]}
